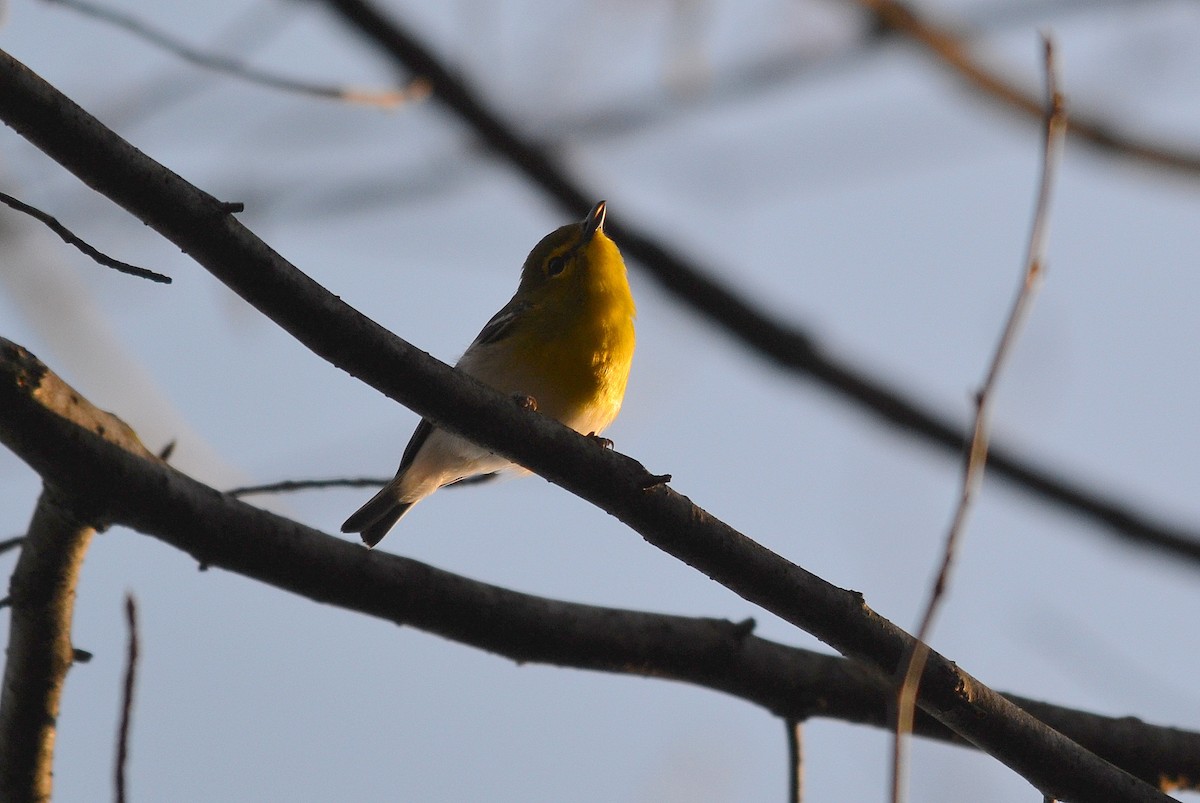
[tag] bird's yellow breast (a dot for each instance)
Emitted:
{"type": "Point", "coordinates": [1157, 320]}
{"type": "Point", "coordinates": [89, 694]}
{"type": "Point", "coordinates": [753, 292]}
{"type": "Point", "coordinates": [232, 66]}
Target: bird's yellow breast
{"type": "Point", "coordinates": [574, 352]}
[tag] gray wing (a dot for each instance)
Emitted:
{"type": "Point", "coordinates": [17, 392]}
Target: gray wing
{"type": "Point", "coordinates": [478, 479]}
{"type": "Point", "coordinates": [495, 330]}
{"type": "Point", "coordinates": [500, 326]}
{"type": "Point", "coordinates": [419, 436]}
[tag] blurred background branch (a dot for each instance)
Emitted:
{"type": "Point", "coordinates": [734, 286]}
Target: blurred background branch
{"type": "Point", "coordinates": [953, 52]}
{"type": "Point", "coordinates": [383, 98]}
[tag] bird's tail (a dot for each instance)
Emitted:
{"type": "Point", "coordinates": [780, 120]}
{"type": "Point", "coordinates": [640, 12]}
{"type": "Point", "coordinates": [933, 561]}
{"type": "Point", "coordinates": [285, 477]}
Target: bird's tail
{"type": "Point", "coordinates": [381, 512]}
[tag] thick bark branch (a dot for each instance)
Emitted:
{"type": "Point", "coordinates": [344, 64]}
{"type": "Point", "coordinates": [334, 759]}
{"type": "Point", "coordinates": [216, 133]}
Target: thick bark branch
{"type": "Point", "coordinates": [42, 593]}
{"type": "Point", "coordinates": [204, 228]}
{"type": "Point", "coordinates": [42, 587]}
{"type": "Point", "coordinates": [139, 490]}
{"type": "Point", "coordinates": [788, 346]}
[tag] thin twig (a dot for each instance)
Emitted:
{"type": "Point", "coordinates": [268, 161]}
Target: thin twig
{"type": "Point", "coordinates": [795, 739]}
{"type": "Point", "coordinates": [11, 543]}
{"type": "Point", "coordinates": [952, 51]}
{"type": "Point", "coordinates": [288, 486]}
{"type": "Point", "coordinates": [384, 98]}
{"type": "Point", "coordinates": [70, 238]}
{"type": "Point", "coordinates": [131, 660]}
{"type": "Point", "coordinates": [976, 456]}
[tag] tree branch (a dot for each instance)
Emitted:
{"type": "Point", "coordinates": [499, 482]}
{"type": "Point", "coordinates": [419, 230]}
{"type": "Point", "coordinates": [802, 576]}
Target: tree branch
{"type": "Point", "coordinates": [787, 346]}
{"type": "Point", "coordinates": [70, 238]}
{"type": "Point", "coordinates": [143, 492]}
{"type": "Point", "coordinates": [42, 592]}
{"type": "Point", "coordinates": [382, 98]}
{"type": "Point", "coordinates": [127, 690]}
{"type": "Point", "coordinates": [795, 743]}
{"type": "Point", "coordinates": [288, 486]}
{"type": "Point", "coordinates": [976, 457]}
{"type": "Point", "coordinates": [954, 54]}
{"type": "Point", "coordinates": [199, 224]}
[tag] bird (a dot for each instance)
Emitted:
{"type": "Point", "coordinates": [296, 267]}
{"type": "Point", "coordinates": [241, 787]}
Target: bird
{"type": "Point", "coordinates": [563, 344]}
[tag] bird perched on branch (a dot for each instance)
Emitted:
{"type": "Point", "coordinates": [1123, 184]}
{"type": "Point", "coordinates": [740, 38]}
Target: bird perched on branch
{"type": "Point", "coordinates": [565, 341]}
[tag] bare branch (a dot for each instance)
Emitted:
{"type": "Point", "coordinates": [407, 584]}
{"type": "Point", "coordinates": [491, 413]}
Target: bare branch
{"type": "Point", "coordinates": [795, 738]}
{"type": "Point", "coordinates": [289, 486]}
{"type": "Point", "coordinates": [389, 98]}
{"type": "Point", "coordinates": [39, 647]}
{"type": "Point", "coordinates": [955, 55]}
{"type": "Point", "coordinates": [787, 346]}
{"type": "Point", "coordinates": [975, 460]}
{"type": "Point", "coordinates": [131, 659]}
{"type": "Point", "coordinates": [41, 420]}
{"type": "Point", "coordinates": [70, 238]}
{"type": "Point", "coordinates": [617, 484]}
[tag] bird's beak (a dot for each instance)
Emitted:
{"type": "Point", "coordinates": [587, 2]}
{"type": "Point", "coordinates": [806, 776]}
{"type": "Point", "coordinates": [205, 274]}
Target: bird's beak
{"type": "Point", "coordinates": [594, 222]}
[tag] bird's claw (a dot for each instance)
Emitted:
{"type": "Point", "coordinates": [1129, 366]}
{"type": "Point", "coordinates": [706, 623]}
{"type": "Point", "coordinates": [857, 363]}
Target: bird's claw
{"type": "Point", "coordinates": [525, 401]}
{"type": "Point", "coordinates": [603, 443]}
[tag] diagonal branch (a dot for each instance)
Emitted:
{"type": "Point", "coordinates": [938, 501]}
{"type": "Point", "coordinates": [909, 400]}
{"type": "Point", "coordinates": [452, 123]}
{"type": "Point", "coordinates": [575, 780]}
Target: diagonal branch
{"type": "Point", "coordinates": [39, 423]}
{"type": "Point", "coordinates": [787, 346]}
{"type": "Point", "coordinates": [203, 228]}
{"type": "Point", "coordinates": [383, 98]}
{"type": "Point", "coordinates": [954, 54]}
{"type": "Point", "coordinates": [70, 238]}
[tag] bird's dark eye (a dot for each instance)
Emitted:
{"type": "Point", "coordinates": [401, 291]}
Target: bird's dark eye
{"type": "Point", "coordinates": [556, 265]}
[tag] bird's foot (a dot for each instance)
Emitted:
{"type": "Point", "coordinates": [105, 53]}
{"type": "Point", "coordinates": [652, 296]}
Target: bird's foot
{"type": "Point", "coordinates": [525, 401]}
{"type": "Point", "coordinates": [603, 443]}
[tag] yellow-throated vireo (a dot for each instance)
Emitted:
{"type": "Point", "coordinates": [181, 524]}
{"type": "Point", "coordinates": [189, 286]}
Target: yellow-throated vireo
{"type": "Point", "coordinates": [565, 340]}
